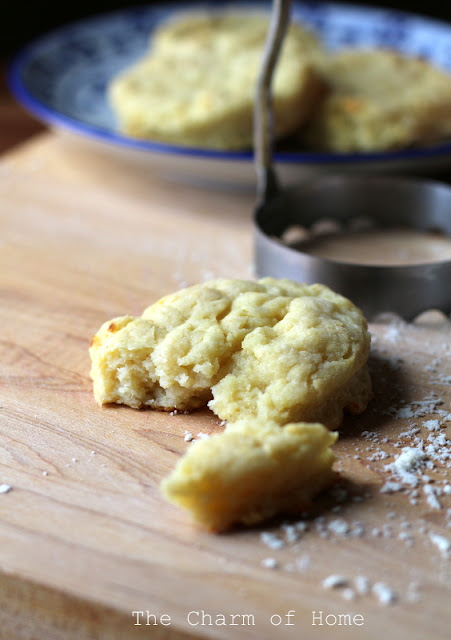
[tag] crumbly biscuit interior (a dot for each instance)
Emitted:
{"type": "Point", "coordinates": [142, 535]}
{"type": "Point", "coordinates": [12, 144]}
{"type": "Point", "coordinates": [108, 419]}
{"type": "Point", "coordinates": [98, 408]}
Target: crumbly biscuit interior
{"type": "Point", "coordinates": [272, 358]}
{"type": "Point", "coordinates": [271, 349]}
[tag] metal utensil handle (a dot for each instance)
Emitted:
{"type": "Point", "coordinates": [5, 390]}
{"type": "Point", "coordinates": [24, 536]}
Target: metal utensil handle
{"type": "Point", "coordinates": [267, 182]}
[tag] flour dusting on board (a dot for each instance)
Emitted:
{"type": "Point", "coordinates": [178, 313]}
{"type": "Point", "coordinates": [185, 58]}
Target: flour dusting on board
{"type": "Point", "coordinates": [402, 444]}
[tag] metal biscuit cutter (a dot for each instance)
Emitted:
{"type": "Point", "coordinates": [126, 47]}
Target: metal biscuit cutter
{"type": "Point", "coordinates": [424, 205]}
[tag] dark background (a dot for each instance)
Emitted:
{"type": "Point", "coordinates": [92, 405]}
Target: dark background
{"type": "Point", "coordinates": [21, 22]}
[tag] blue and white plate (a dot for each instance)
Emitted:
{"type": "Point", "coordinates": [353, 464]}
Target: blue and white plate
{"type": "Point", "coordinates": [62, 77]}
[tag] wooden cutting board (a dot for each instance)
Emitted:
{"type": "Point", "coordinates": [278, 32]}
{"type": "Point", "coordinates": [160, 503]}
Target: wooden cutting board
{"type": "Point", "coordinates": [86, 538]}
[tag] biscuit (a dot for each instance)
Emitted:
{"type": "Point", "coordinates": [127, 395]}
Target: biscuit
{"type": "Point", "coordinates": [199, 90]}
{"type": "Point", "coordinates": [272, 350]}
{"type": "Point", "coordinates": [225, 31]}
{"type": "Point", "coordinates": [252, 471]}
{"type": "Point", "coordinates": [379, 100]}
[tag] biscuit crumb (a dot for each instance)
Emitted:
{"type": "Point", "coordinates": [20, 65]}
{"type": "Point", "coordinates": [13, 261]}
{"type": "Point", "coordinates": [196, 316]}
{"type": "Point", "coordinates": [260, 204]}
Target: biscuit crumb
{"type": "Point", "coordinates": [271, 540]}
{"type": "Point", "coordinates": [405, 466]}
{"type": "Point", "coordinates": [334, 581]}
{"type": "Point", "coordinates": [339, 527]}
{"type": "Point", "coordinates": [384, 593]}
{"type": "Point", "coordinates": [270, 563]}
{"type": "Point", "coordinates": [443, 544]}
{"type": "Point", "coordinates": [362, 585]}
{"type": "Point", "coordinates": [431, 497]}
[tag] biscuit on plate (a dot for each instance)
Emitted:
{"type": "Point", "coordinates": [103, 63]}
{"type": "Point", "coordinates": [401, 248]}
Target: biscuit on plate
{"type": "Point", "coordinates": [379, 100]}
{"type": "Point", "coordinates": [252, 471]}
{"type": "Point", "coordinates": [272, 350]}
{"type": "Point", "coordinates": [225, 31]}
{"type": "Point", "coordinates": [199, 90]}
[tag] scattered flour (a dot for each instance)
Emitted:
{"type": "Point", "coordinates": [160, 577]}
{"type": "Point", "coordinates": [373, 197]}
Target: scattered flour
{"type": "Point", "coordinates": [405, 465]}
{"type": "Point", "coordinates": [271, 540]}
{"type": "Point", "coordinates": [270, 563]}
{"type": "Point", "coordinates": [413, 460]}
{"type": "Point", "coordinates": [334, 581]}
{"type": "Point", "coordinates": [384, 593]}
{"type": "Point", "coordinates": [443, 544]}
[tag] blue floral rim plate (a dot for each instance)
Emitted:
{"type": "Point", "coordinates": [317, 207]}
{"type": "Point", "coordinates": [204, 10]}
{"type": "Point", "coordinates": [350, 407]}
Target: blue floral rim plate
{"type": "Point", "coordinates": [61, 78]}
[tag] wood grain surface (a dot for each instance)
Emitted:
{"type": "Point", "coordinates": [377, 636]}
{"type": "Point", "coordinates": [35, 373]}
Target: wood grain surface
{"type": "Point", "coordinates": [86, 538]}
{"type": "Point", "coordinates": [16, 124]}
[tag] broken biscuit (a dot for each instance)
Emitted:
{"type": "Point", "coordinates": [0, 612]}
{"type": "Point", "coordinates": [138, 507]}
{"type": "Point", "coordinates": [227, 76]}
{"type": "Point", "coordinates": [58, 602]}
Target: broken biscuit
{"type": "Point", "coordinates": [273, 350]}
{"type": "Point", "coordinates": [252, 471]}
